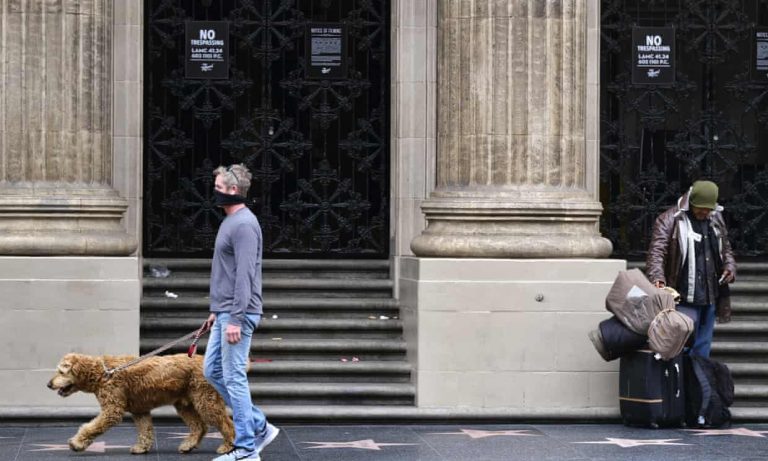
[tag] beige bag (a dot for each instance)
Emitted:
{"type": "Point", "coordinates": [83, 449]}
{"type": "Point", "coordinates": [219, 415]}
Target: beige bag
{"type": "Point", "coordinates": [669, 332]}
{"type": "Point", "coordinates": [673, 292]}
{"type": "Point", "coordinates": [635, 301]}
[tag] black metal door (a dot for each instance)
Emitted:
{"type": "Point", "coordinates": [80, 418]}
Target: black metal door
{"type": "Point", "coordinates": [318, 149]}
{"type": "Point", "coordinates": [711, 123]}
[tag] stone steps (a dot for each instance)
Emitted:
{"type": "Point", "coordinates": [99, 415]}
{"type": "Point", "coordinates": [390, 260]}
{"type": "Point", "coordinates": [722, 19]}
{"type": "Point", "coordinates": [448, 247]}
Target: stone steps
{"type": "Point", "coordinates": [327, 287]}
{"type": "Point", "coordinates": [312, 393]}
{"type": "Point", "coordinates": [292, 268]}
{"type": "Point", "coordinates": [331, 371]}
{"type": "Point", "coordinates": [279, 348]}
{"type": "Point", "coordinates": [269, 326]}
{"type": "Point", "coordinates": [282, 306]}
{"type": "Point", "coordinates": [751, 392]}
{"type": "Point", "coordinates": [743, 343]}
{"type": "Point", "coordinates": [330, 334]}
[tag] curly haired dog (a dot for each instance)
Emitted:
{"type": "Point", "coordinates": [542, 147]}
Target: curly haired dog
{"type": "Point", "coordinates": [165, 380]}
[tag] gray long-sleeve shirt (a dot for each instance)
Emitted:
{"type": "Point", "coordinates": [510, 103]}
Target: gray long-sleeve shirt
{"type": "Point", "coordinates": [236, 267]}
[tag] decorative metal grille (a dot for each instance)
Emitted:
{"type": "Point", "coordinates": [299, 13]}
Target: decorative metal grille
{"type": "Point", "coordinates": [711, 123]}
{"type": "Point", "coordinates": [318, 149]}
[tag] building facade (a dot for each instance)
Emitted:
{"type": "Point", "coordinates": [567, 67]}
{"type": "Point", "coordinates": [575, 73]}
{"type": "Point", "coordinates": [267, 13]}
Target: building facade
{"type": "Point", "coordinates": [496, 153]}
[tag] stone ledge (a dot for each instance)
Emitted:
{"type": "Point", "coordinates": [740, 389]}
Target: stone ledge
{"type": "Point", "coordinates": [345, 414]}
{"type": "Point", "coordinates": [341, 414]}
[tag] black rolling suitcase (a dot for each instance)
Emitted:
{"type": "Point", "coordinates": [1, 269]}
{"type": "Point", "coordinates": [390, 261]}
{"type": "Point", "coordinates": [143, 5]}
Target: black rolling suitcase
{"type": "Point", "coordinates": [651, 391]}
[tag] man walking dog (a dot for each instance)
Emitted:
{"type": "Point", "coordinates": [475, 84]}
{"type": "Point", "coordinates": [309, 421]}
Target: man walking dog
{"type": "Point", "coordinates": [236, 309]}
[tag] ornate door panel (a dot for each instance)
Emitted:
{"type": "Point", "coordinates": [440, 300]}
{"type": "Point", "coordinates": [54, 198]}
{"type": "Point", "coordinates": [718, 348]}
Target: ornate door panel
{"type": "Point", "coordinates": [318, 149]}
{"type": "Point", "coordinates": [711, 123]}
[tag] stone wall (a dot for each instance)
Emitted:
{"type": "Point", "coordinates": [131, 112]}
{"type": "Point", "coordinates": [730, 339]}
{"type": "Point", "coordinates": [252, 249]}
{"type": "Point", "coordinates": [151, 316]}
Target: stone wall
{"type": "Point", "coordinates": [508, 334]}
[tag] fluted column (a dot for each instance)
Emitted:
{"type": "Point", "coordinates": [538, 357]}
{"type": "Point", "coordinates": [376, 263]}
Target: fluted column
{"type": "Point", "coordinates": [511, 168]}
{"type": "Point", "coordinates": [56, 195]}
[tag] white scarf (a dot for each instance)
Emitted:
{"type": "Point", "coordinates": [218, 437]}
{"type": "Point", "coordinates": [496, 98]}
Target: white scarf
{"type": "Point", "coordinates": [687, 250]}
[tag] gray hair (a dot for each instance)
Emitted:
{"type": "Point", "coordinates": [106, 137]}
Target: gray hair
{"type": "Point", "coordinates": [235, 175]}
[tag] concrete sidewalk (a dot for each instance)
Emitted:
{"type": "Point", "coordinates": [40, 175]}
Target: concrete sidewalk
{"type": "Point", "coordinates": [470, 442]}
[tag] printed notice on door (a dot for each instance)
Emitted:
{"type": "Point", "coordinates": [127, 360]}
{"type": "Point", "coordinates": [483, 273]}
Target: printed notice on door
{"type": "Point", "coordinates": [760, 63]}
{"type": "Point", "coordinates": [653, 55]}
{"type": "Point", "coordinates": [326, 51]}
{"type": "Point", "coordinates": [207, 49]}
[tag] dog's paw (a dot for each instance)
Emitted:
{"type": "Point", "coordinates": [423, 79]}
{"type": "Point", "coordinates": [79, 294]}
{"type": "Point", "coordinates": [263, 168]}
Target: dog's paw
{"type": "Point", "coordinates": [139, 449]}
{"type": "Point", "coordinates": [224, 448]}
{"type": "Point", "coordinates": [187, 446]}
{"type": "Point", "coordinates": [77, 444]}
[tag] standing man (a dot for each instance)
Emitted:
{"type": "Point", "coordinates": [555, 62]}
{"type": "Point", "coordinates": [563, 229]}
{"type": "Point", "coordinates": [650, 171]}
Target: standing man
{"type": "Point", "coordinates": [236, 310]}
{"type": "Point", "coordinates": [690, 252]}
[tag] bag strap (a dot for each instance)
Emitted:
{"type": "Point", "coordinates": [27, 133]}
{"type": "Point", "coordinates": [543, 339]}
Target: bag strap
{"type": "Point", "coordinates": [706, 389]}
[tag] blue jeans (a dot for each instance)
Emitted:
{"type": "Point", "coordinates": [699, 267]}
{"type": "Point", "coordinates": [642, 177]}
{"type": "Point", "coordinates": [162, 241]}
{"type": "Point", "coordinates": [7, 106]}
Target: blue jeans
{"type": "Point", "coordinates": [225, 367]}
{"type": "Point", "coordinates": [703, 328]}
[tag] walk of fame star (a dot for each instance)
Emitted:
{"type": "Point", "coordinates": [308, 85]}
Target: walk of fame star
{"type": "Point", "coordinates": [743, 431]}
{"type": "Point", "coordinates": [181, 435]}
{"type": "Point", "coordinates": [367, 444]}
{"type": "Point", "coordinates": [95, 447]}
{"type": "Point", "coordinates": [628, 443]}
{"type": "Point", "coordinates": [477, 434]}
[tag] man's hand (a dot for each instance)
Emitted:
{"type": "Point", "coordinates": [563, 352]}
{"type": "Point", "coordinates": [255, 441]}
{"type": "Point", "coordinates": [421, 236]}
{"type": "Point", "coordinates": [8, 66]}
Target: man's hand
{"type": "Point", "coordinates": [728, 276]}
{"type": "Point", "coordinates": [724, 318]}
{"type": "Point", "coordinates": [233, 334]}
{"type": "Point", "coordinates": [659, 284]}
{"type": "Point", "coordinates": [209, 323]}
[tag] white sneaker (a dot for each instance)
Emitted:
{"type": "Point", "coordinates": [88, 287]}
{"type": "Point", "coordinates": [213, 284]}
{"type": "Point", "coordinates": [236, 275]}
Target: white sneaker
{"type": "Point", "coordinates": [239, 455]}
{"type": "Point", "coordinates": [266, 437]}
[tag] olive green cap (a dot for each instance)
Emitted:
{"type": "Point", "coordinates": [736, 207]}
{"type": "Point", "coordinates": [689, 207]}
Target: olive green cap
{"type": "Point", "coordinates": [704, 195]}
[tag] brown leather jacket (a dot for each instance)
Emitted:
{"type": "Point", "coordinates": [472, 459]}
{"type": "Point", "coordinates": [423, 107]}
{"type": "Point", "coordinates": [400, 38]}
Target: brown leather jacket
{"type": "Point", "coordinates": [663, 261]}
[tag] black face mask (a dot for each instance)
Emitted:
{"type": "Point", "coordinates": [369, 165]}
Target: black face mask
{"type": "Point", "coordinates": [223, 199]}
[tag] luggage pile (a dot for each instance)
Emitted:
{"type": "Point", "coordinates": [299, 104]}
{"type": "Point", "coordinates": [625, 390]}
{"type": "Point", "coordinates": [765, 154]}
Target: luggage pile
{"type": "Point", "coordinates": [659, 384]}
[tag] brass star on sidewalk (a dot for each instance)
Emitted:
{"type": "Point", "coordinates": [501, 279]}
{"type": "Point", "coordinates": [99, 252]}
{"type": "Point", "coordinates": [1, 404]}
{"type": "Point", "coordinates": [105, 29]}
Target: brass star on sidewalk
{"type": "Point", "coordinates": [96, 447]}
{"type": "Point", "coordinates": [477, 434]}
{"type": "Point", "coordinates": [628, 443]}
{"type": "Point", "coordinates": [181, 435]}
{"type": "Point", "coordinates": [743, 431]}
{"type": "Point", "coordinates": [367, 444]}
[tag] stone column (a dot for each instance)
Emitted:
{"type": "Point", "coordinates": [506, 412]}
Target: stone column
{"type": "Point", "coordinates": [511, 146]}
{"type": "Point", "coordinates": [56, 194]}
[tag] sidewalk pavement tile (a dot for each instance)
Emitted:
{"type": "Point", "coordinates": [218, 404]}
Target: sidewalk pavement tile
{"type": "Point", "coordinates": [439, 442]}
{"type": "Point", "coordinates": [369, 443]}
{"type": "Point", "coordinates": [495, 442]}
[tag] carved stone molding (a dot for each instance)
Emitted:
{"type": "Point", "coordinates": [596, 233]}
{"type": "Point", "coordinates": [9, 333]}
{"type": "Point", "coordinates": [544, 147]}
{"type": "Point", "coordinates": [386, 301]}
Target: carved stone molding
{"type": "Point", "coordinates": [511, 168]}
{"type": "Point", "coordinates": [56, 195]}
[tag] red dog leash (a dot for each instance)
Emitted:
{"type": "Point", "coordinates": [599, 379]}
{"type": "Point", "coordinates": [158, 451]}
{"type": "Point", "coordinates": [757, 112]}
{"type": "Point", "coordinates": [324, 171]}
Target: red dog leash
{"type": "Point", "coordinates": [203, 330]}
{"type": "Point", "coordinates": [108, 372]}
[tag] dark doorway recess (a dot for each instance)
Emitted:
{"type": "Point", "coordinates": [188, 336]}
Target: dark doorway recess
{"type": "Point", "coordinates": [318, 149]}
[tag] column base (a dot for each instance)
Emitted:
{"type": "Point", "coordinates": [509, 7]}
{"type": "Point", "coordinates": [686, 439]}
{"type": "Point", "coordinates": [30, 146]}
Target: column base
{"type": "Point", "coordinates": [52, 306]}
{"type": "Point", "coordinates": [515, 226]}
{"type": "Point", "coordinates": [63, 221]}
{"type": "Point", "coordinates": [505, 333]}
{"type": "Point", "coordinates": [519, 245]}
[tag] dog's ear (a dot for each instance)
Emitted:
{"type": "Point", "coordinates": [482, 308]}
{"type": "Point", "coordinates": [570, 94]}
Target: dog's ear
{"type": "Point", "coordinates": [64, 366]}
{"type": "Point", "coordinates": [67, 362]}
